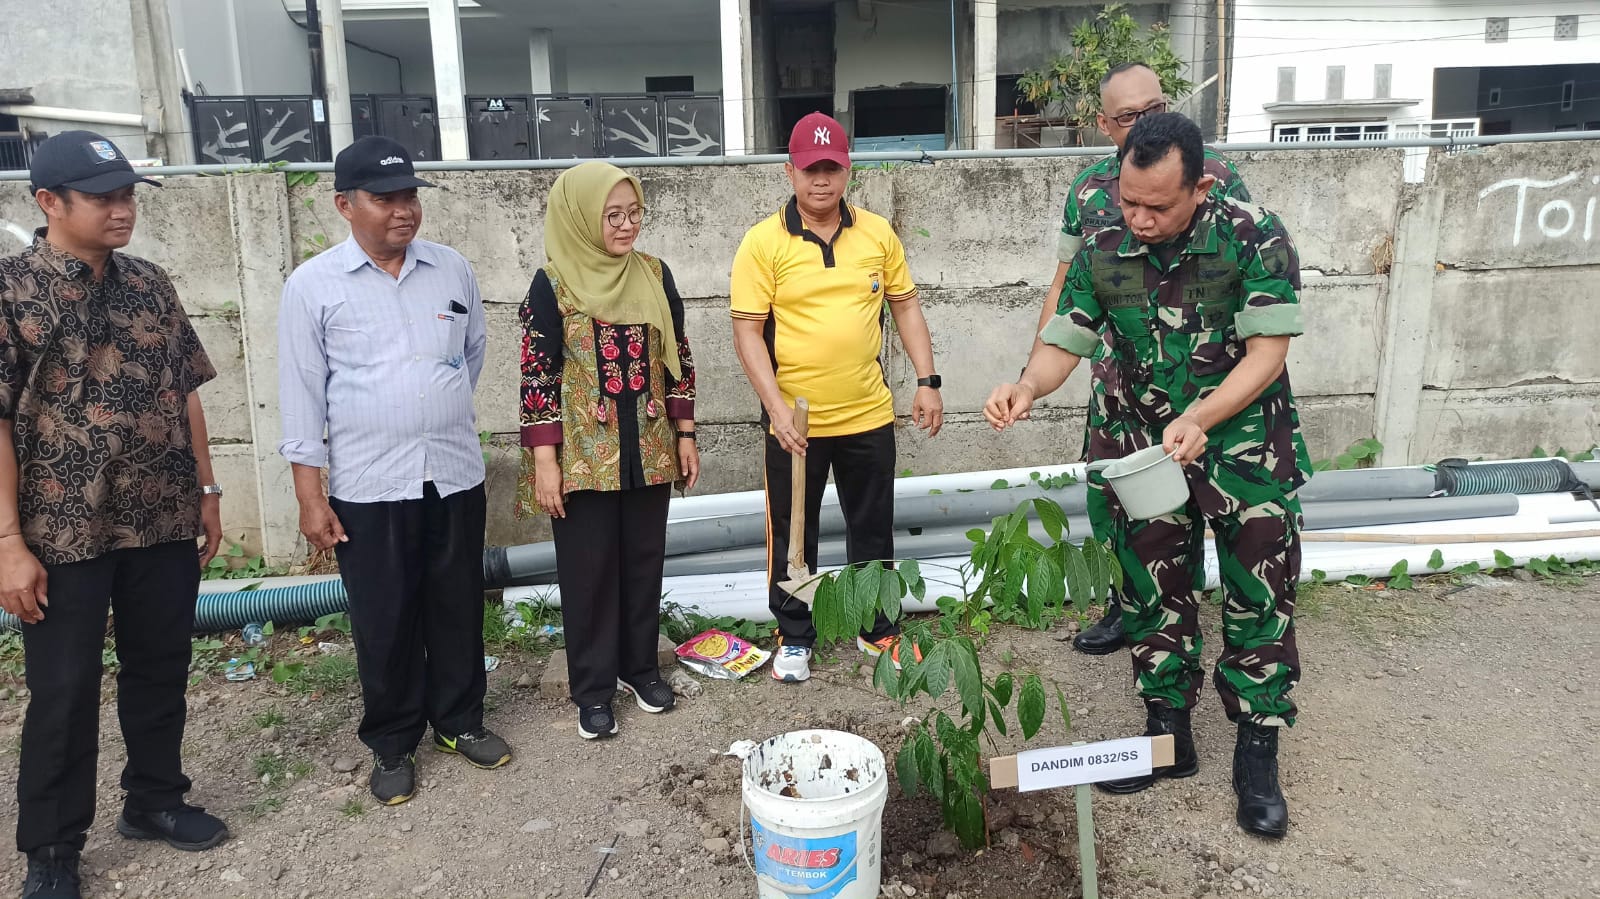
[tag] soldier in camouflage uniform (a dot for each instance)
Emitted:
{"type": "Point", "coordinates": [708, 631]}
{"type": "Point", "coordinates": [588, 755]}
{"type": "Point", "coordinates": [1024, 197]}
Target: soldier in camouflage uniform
{"type": "Point", "coordinates": [1127, 93]}
{"type": "Point", "coordinates": [1199, 297]}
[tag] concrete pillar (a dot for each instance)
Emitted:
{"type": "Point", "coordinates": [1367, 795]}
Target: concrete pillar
{"type": "Point", "coordinates": [541, 78]}
{"type": "Point", "coordinates": [1403, 355]}
{"type": "Point", "coordinates": [335, 77]}
{"type": "Point", "coordinates": [449, 78]}
{"type": "Point", "coordinates": [734, 17]}
{"type": "Point", "coordinates": [160, 85]}
{"type": "Point", "coordinates": [261, 234]}
{"type": "Point", "coordinates": [985, 54]}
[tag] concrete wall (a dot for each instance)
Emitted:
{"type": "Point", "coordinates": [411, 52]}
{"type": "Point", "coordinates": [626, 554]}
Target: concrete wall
{"type": "Point", "coordinates": [34, 53]}
{"type": "Point", "coordinates": [619, 68]}
{"type": "Point", "coordinates": [1448, 318]}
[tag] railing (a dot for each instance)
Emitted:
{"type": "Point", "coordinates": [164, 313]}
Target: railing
{"type": "Point", "coordinates": [1416, 158]}
{"type": "Point", "coordinates": [15, 151]}
{"type": "Point", "coordinates": [244, 130]}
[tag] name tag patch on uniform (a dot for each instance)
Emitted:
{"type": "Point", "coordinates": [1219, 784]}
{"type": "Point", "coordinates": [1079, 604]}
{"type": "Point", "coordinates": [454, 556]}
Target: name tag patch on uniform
{"type": "Point", "coordinates": [1101, 218]}
{"type": "Point", "coordinates": [446, 317]}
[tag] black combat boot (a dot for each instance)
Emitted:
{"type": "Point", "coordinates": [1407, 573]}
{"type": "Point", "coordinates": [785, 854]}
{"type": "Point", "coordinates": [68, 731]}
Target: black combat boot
{"type": "Point", "coordinates": [1106, 636]}
{"type": "Point", "coordinates": [1160, 719]}
{"type": "Point", "coordinates": [1262, 810]}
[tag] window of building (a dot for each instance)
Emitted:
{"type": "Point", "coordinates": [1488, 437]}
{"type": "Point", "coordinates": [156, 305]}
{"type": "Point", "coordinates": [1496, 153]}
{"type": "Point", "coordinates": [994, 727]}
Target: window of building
{"type": "Point", "coordinates": [1006, 100]}
{"type": "Point", "coordinates": [1494, 96]}
{"type": "Point", "coordinates": [1286, 84]}
{"type": "Point", "coordinates": [669, 84]}
{"type": "Point", "coordinates": [1335, 83]}
{"type": "Point", "coordinates": [1382, 81]}
{"type": "Point", "coordinates": [1496, 31]}
{"type": "Point", "coordinates": [1568, 90]}
{"type": "Point", "coordinates": [1566, 28]}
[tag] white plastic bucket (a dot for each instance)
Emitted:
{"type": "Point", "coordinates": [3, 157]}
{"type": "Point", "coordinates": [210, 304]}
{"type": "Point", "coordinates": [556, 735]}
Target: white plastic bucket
{"type": "Point", "coordinates": [1148, 483]}
{"type": "Point", "coordinates": [815, 799]}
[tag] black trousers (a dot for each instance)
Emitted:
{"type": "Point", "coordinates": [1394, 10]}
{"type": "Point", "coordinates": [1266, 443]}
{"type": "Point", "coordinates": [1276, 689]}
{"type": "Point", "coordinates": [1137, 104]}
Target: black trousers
{"type": "Point", "coordinates": [152, 591]}
{"type": "Point", "coordinates": [863, 473]}
{"type": "Point", "coordinates": [413, 570]}
{"type": "Point", "coordinates": [609, 553]}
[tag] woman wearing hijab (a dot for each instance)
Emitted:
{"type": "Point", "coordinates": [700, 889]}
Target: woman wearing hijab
{"type": "Point", "coordinates": [607, 429]}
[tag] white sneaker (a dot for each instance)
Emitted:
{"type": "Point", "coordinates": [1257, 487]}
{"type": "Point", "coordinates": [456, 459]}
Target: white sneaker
{"type": "Point", "coordinates": [792, 664]}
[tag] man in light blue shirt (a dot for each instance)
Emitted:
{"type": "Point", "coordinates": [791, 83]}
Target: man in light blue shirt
{"type": "Point", "coordinates": [380, 343]}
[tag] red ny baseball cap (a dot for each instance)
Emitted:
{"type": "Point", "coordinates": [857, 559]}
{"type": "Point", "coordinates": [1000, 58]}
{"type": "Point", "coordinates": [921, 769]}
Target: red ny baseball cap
{"type": "Point", "coordinates": [818, 138]}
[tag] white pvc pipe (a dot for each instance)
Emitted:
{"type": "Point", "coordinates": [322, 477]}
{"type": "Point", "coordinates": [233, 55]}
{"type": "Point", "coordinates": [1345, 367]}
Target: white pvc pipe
{"type": "Point", "coordinates": [63, 114]}
{"type": "Point", "coordinates": [716, 505]}
{"type": "Point", "coordinates": [744, 594]}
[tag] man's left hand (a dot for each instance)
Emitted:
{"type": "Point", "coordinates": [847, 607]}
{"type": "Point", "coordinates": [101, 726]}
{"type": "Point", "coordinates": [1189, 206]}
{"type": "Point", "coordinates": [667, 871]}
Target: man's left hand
{"type": "Point", "coordinates": [211, 518]}
{"type": "Point", "coordinates": [927, 410]}
{"type": "Point", "coordinates": [1184, 439]}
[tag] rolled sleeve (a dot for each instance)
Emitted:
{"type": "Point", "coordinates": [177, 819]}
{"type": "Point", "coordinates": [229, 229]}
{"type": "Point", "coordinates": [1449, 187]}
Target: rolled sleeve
{"type": "Point", "coordinates": [1067, 246]}
{"type": "Point", "coordinates": [1271, 284]}
{"type": "Point", "coordinates": [302, 379]}
{"type": "Point", "coordinates": [897, 284]}
{"type": "Point", "coordinates": [1078, 319]}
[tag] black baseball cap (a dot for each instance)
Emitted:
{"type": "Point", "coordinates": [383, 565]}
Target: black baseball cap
{"type": "Point", "coordinates": [377, 165]}
{"type": "Point", "coordinates": [83, 161]}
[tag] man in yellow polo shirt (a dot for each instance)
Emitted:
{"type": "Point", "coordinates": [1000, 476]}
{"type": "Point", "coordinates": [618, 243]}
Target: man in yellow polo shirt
{"type": "Point", "coordinates": [809, 288]}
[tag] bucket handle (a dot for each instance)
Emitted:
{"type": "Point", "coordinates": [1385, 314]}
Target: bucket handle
{"type": "Point", "coordinates": [789, 889]}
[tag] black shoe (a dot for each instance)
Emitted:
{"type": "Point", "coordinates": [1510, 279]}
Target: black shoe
{"type": "Point", "coordinates": [1160, 719]}
{"type": "Point", "coordinates": [186, 827]}
{"type": "Point", "coordinates": [1262, 809]}
{"type": "Point", "coordinates": [1106, 636]}
{"type": "Point", "coordinates": [480, 747]}
{"type": "Point", "coordinates": [653, 697]}
{"type": "Point", "coordinates": [596, 721]}
{"type": "Point", "coordinates": [52, 874]}
{"type": "Point", "coordinates": [394, 778]}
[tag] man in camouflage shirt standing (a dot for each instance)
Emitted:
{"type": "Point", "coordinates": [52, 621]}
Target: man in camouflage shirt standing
{"type": "Point", "coordinates": [1128, 92]}
{"type": "Point", "coordinates": [1199, 298]}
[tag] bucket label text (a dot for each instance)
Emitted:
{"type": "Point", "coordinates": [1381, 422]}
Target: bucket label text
{"type": "Point", "coordinates": [820, 867]}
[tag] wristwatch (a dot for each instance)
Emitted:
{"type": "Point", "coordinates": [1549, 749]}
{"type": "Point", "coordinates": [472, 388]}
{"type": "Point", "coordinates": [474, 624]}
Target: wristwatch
{"type": "Point", "coordinates": [933, 381]}
{"type": "Point", "coordinates": [210, 489]}
{"type": "Point", "coordinates": [685, 435]}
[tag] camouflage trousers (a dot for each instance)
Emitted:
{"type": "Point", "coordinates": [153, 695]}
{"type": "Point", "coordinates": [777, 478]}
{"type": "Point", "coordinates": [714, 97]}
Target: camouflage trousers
{"type": "Point", "coordinates": [1163, 563]}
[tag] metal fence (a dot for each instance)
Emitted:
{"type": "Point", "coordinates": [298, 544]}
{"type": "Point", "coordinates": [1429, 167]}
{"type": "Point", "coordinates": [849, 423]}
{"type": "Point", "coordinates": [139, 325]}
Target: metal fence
{"type": "Point", "coordinates": [15, 151]}
{"type": "Point", "coordinates": [243, 130]}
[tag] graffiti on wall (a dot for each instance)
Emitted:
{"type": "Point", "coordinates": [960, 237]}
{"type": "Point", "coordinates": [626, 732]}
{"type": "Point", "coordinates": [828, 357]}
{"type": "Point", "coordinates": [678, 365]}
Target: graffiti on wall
{"type": "Point", "coordinates": [1549, 207]}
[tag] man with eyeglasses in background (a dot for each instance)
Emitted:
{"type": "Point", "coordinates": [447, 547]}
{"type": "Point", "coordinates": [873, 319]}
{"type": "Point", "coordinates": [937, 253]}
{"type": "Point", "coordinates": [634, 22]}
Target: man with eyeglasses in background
{"type": "Point", "coordinates": [1128, 92]}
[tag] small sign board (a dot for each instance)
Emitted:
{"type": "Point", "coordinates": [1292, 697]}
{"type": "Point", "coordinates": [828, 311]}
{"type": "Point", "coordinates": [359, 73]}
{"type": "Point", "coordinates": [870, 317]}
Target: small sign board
{"type": "Point", "coordinates": [495, 104]}
{"type": "Point", "coordinates": [1086, 763]}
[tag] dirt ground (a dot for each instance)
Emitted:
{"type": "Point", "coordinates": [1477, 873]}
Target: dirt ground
{"type": "Point", "coordinates": [1442, 751]}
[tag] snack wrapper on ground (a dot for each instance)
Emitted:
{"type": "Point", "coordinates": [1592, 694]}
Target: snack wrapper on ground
{"type": "Point", "coordinates": [720, 654]}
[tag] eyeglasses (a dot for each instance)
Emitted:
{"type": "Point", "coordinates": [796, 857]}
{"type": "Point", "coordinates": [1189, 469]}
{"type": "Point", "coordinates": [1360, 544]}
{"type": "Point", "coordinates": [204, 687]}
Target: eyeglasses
{"type": "Point", "coordinates": [616, 217]}
{"type": "Point", "coordinates": [1127, 119]}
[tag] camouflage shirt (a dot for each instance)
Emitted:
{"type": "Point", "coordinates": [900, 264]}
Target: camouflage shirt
{"type": "Point", "coordinates": [1176, 332]}
{"type": "Point", "coordinates": [1094, 201]}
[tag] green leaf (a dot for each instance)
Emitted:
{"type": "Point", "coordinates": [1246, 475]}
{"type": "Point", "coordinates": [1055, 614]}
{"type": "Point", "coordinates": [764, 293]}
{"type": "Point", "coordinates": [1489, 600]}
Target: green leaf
{"type": "Point", "coordinates": [1000, 484]}
{"type": "Point", "coordinates": [1436, 561]}
{"type": "Point", "coordinates": [1344, 462]}
{"type": "Point", "coordinates": [1359, 580]}
{"type": "Point", "coordinates": [1318, 575]}
{"type": "Point", "coordinates": [864, 609]}
{"type": "Point", "coordinates": [911, 573]}
{"type": "Point", "coordinates": [266, 629]}
{"type": "Point", "coordinates": [967, 815]}
{"type": "Point", "coordinates": [1051, 516]}
{"type": "Point", "coordinates": [1076, 575]}
{"type": "Point", "coordinates": [827, 609]}
{"type": "Point", "coordinates": [217, 563]}
{"type": "Point", "coordinates": [1539, 453]}
{"type": "Point", "coordinates": [1030, 706]}
{"type": "Point", "coordinates": [977, 535]}
{"type": "Point", "coordinates": [890, 592]}
{"type": "Point", "coordinates": [905, 767]}
{"type": "Point", "coordinates": [1501, 560]}
{"type": "Point", "coordinates": [969, 679]}
{"type": "Point", "coordinates": [235, 551]}
{"type": "Point", "coordinates": [884, 675]}
{"type": "Point", "coordinates": [933, 674]}
{"type": "Point", "coordinates": [1097, 559]}
{"type": "Point", "coordinates": [1061, 703]}
{"type": "Point", "coordinates": [1045, 582]}
{"type": "Point", "coordinates": [929, 770]}
{"type": "Point", "coordinates": [1466, 569]}
{"type": "Point", "coordinates": [1400, 568]}
{"type": "Point", "coordinates": [1001, 689]}
{"type": "Point", "coordinates": [997, 717]}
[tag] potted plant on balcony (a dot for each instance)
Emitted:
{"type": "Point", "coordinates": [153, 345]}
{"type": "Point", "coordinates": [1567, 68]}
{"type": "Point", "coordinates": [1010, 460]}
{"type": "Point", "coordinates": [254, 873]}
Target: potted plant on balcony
{"type": "Point", "coordinates": [1066, 90]}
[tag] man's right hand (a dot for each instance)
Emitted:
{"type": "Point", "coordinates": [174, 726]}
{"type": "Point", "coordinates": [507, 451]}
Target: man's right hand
{"type": "Point", "coordinates": [320, 526]}
{"type": "Point", "coordinates": [1007, 405]}
{"type": "Point", "coordinates": [23, 581]}
{"type": "Point", "coordinates": [789, 437]}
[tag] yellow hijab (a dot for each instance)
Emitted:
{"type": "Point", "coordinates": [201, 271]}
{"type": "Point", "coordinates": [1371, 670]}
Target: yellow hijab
{"type": "Point", "coordinates": [611, 289]}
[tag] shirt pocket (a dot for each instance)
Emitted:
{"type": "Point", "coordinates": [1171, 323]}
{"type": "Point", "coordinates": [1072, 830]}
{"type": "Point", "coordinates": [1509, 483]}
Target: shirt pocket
{"type": "Point", "coordinates": [448, 333]}
{"type": "Point", "coordinates": [1207, 319]}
